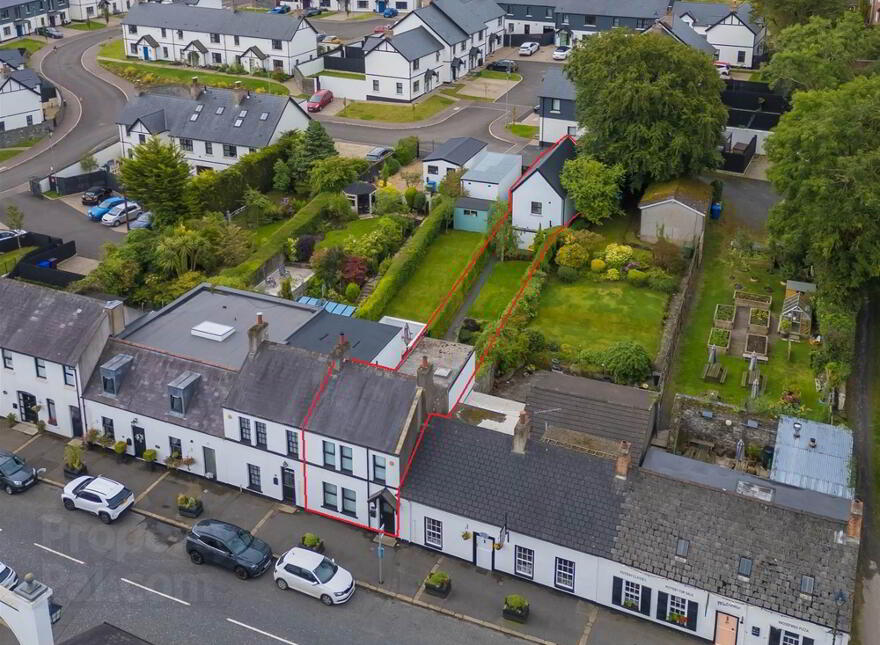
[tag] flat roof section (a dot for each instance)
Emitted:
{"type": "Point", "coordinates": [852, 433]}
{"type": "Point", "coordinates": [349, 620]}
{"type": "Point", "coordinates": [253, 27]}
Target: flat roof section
{"type": "Point", "coordinates": [367, 338]}
{"type": "Point", "coordinates": [449, 359]}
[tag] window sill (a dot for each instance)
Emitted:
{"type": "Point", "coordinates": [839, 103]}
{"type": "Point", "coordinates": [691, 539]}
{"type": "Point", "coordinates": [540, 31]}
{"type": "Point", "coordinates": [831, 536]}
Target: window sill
{"type": "Point", "coordinates": [346, 513]}
{"type": "Point", "coordinates": [347, 472]}
{"type": "Point", "coordinates": [527, 576]}
{"type": "Point", "coordinates": [434, 546]}
{"type": "Point", "coordinates": [261, 446]}
{"type": "Point", "coordinates": [256, 489]}
{"type": "Point", "coordinates": [329, 508]}
{"type": "Point", "coordinates": [566, 589]}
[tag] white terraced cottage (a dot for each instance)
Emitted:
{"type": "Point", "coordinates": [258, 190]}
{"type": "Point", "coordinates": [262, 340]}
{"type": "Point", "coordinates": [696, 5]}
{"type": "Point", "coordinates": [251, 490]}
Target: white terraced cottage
{"type": "Point", "coordinates": [206, 36]}
{"type": "Point", "coordinates": [21, 102]}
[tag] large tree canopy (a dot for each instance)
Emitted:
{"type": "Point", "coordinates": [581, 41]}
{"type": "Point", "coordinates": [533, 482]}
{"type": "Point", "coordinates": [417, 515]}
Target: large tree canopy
{"type": "Point", "coordinates": [594, 187]}
{"type": "Point", "coordinates": [779, 14]}
{"type": "Point", "coordinates": [649, 103]}
{"type": "Point", "coordinates": [826, 166]}
{"type": "Point", "coordinates": [821, 53]}
{"type": "Point", "coordinates": [156, 177]}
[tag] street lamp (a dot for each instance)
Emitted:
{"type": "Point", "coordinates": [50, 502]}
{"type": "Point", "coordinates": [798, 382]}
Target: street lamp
{"type": "Point", "coordinates": [840, 601]}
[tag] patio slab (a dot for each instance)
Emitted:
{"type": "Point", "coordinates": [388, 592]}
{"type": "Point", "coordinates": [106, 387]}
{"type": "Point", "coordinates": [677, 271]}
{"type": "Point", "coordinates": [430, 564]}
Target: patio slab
{"type": "Point", "coordinates": [11, 439]}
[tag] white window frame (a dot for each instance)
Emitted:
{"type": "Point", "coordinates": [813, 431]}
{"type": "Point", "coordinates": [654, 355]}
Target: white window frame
{"type": "Point", "coordinates": [564, 572]}
{"type": "Point", "coordinates": [676, 605]}
{"type": "Point", "coordinates": [433, 533]}
{"type": "Point", "coordinates": [789, 638]}
{"type": "Point", "coordinates": [524, 561]}
{"type": "Point", "coordinates": [537, 212]}
{"type": "Point", "coordinates": [632, 592]}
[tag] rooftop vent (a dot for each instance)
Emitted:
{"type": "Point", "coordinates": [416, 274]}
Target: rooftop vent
{"type": "Point", "coordinates": [212, 331]}
{"type": "Point", "coordinates": [756, 491]}
{"type": "Point", "coordinates": [443, 372]}
{"type": "Point", "coordinates": [797, 429]}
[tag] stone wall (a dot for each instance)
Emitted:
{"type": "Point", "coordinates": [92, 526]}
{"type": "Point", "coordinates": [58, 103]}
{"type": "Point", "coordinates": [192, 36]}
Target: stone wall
{"type": "Point", "coordinates": [11, 138]}
{"type": "Point", "coordinates": [688, 423]}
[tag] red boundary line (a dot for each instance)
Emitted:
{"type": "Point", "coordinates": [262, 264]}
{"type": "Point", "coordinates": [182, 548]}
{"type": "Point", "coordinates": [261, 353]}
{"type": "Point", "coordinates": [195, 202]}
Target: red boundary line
{"type": "Point", "coordinates": [536, 262]}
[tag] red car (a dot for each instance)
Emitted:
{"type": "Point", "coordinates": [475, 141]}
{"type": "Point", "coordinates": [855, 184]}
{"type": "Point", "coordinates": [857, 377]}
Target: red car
{"type": "Point", "coordinates": [381, 29]}
{"type": "Point", "coordinates": [318, 100]}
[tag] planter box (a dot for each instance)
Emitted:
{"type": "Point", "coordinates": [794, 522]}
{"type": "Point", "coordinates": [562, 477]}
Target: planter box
{"type": "Point", "coordinates": [518, 615]}
{"type": "Point", "coordinates": [73, 474]}
{"type": "Point", "coordinates": [719, 348]}
{"type": "Point", "coordinates": [191, 512]}
{"type": "Point", "coordinates": [758, 327]}
{"type": "Point", "coordinates": [317, 549]}
{"type": "Point", "coordinates": [441, 591]}
{"type": "Point", "coordinates": [759, 344]}
{"type": "Point", "coordinates": [754, 300]}
{"type": "Point", "coordinates": [720, 322]}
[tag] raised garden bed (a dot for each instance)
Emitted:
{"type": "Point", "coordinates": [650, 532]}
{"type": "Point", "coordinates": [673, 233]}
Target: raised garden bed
{"type": "Point", "coordinates": [757, 344]}
{"type": "Point", "coordinates": [759, 321]}
{"type": "Point", "coordinates": [724, 316]}
{"type": "Point", "coordinates": [754, 300]}
{"type": "Point", "coordinates": [438, 584]}
{"type": "Point", "coordinates": [720, 338]}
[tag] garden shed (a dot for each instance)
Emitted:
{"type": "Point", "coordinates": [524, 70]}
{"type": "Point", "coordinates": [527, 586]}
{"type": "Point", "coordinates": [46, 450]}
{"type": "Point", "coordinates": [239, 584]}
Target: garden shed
{"type": "Point", "coordinates": [797, 309]}
{"type": "Point", "coordinates": [675, 210]}
{"type": "Point", "coordinates": [362, 196]}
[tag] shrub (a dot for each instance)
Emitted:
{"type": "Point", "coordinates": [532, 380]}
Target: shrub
{"type": "Point", "coordinates": [354, 270]}
{"type": "Point", "coordinates": [612, 275]}
{"type": "Point", "coordinates": [627, 362]}
{"type": "Point", "coordinates": [535, 340]}
{"type": "Point", "coordinates": [389, 201]}
{"type": "Point", "coordinates": [597, 266]}
{"type": "Point", "coordinates": [352, 291]}
{"type": "Point", "coordinates": [310, 540]}
{"type": "Point", "coordinates": [327, 265]}
{"type": "Point", "coordinates": [645, 257]}
{"type": "Point", "coordinates": [573, 256]}
{"type": "Point", "coordinates": [567, 274]}
{"type": "Point", "coordinates": [616, 255]}
{"type": "Point", "coordinates": [638, 278]}
{"type": "Point", "coordinates": [419, 202]}
{"type": "Point", "coordinates": [661, 281]}
{"type": "Point", "coordinates": [149, 455]}
{"type": "Point", "coordinates": [667, 256]}
{"type": "Point", "coordinates": [384, 264]}
{"type": "Point", "coordinates": [410, 196]}
{"type": "Point", "coordinates": [286, 289]}
{"type": "Point", "coordinates": [187, 501]}
{"type": "Point", "coordinates": [406, 150]}
{"type": "Point", "coordinates": [390, 167]}
{"type": "Point", "coordinates": [515, 601]}
{"type": "Point", "coordinates": [438, 578]}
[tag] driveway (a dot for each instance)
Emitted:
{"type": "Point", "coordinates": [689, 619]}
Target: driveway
{"type": "Point", "coordinates": [526, 92]}
{"type": "Point", "coordinates": [749, 199]}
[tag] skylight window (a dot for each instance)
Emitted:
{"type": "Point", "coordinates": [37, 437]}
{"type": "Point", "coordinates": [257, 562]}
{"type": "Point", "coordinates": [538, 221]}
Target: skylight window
{"type": "Point", "coordinates": [264, 116]}
{"type": "Point", "coordinates": [199, 107]}
{"type": "Point", "coordinates": [237, 123]}
{"type": "Point", "coordinates": [193, 117]}
{"type": "Point", "coordinates": [242, 114]}
{"type": "Point", "coordinates": [220, 110]}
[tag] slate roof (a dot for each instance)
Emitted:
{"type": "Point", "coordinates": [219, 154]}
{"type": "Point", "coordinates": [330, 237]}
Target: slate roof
{"type": "Point", "coordinates": [11, 57]}
{"type": "Point", "coordinates": [707, 14]}
{"type": "Point", "coordinates": [196, 44]}
{"type": "Point", "coordinates": [441, 24]}
{"type": "Point", "coordinates": [362, 405]}
{"type": "Point", "coordinates": [47, 323]}
{"type": "Point", "coordinates": [216, 21]}
{"type": "Point", "coordinates": [803, 287]}
{"type": "Point", "coordinates": [493, 167]}
{"type": "Point", "coordinates": [549, 166]}
{"type": "Point", "coordinates": [415, 43]}
{"type": "Point", "coordinates": [677, 28]}
{"type": "Point", "coordinates": [209, 126]}
{"type": "Point", "coordinates": [359, 188]}
{"type": "Point", "coordinates": [457, 150]}
{"type": "Point", "coordinates": [628, 9]}
{"type": "Point", "coordinates": [466, 16]}
{"type": "Point", "coordinates": [555, 85]}
{"type": "Point", "coordinates": [321, 334]}
{"type": "Point", "coordinates": [722, 525]}
{"type": "Point", "coordinates": [598, 408]}
{"type": "Point", "coordinates": [144, 387]}
{"type": "Point", "coordinates": [689, 191]}
{"type": "Point", "coordinates": [474, 203]}
{"type": "Point", "coordinates": [28, 78]}
{"type": "Point", "coordinates": [152, 42]}
{"type": "Point", "coordinates": [484, 10]}
{"type": "Point", "coordinates": [472, 472]}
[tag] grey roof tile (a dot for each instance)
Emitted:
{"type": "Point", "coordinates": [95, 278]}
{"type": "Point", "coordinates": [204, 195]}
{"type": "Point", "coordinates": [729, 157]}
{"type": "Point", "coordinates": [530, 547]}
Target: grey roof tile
{"type": "Point", "coordinates": [550, 165]}
{"type": "Point", "coordinates": [217, 21]}
{"type": "Point", "coordinates": [11, 57]}
{"type": "Point", "coordinates": [555, 84]}
{"type": "Point", "coordinates": [621, 9]}
{"type": "Point", "coordinates": [28, 78]}
{"type": "Point", "coordinates": [441, 24]}
{"type": "Point", "coordinates": [706, 14]}
{"type": "Point", "coordinates": [321, 334]}
{"type": "Point", "coordinates": [466, 15]}
{"type": "Point", "coordinates": [457, 150]}
{"type": "Point", "coordinates": [415, 43]}
{"type": "Point", "coordinates": [677, 28]}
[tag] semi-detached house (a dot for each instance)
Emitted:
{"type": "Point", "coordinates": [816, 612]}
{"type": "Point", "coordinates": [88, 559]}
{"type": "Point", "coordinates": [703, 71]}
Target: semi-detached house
{"type": "Point", "coordinates": [738, 39]}
{"type": "Point", "coordinates": [207, 36]}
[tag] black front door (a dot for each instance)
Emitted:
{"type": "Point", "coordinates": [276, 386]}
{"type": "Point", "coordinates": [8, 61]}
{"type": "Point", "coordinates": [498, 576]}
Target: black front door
{"type": "Point", "coordinates": [140, 441]}
{"type": "Point", "coordinates": [386, 516]}
{"type": "Point", "coordinates": [76, 421]}
{"type": "Point", "coordinates": [288, 485]}
{"type": "Point", "coordinates": [26, 404]}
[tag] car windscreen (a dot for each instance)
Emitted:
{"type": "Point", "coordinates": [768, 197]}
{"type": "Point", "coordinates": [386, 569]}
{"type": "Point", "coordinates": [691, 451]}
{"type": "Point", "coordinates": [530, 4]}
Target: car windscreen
{"type": "Point", "coordinates": [10, 466]}
{"type": "Point", "coordinates": [326, 570]}
{"type": "Point", "coordinates": [316, 98]}
{"type": "Point", "coordinates": [118, 498]}
{"type": "Point", "coordinates": [239, 541]}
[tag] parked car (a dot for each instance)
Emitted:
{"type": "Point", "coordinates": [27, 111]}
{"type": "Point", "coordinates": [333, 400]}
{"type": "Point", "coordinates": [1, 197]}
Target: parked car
{"type": "Point", "coordinates": [381, 29]}
{"type": "Point", "coordinates": [377, 154]}
{"type": "Point", "coordinates": [49, 32]}
{"type": "Point", "coordinates": [314, 11]}
{"type": "Point", "coordinates": [390, 12]}
{"type": "Point", "coordinates": [100, 495]}
{"type": "Point", "coordinates": [561, 53]}
{"type": "Point", "coordinates": [120, 213]}
{"type": "Point", "coordinates": [228, 546]}
{"type": "Point", "coordinates": [96, 195]}
{"type": "Point", "coordinates": [8, 579]}
{"type": "Point", "coordinates": [313, 574]}
{"type": "Point", "coordinates": [319, 100]}
{"type": "Point", "coordinates": [723, 69]}
{"type": "Point", "coordinates": [529, 48]}
{"type": "Point", "coordinates": [503, 65]}
{"type": "Point", "coordinates": [144, 220]}
{"type": "Point", "coordinates": [8, 235]}
{"type": "Point", "coordinates": [282, 8]}
{"type": "Point", "coordinates": [15, 475]}
{"type": "Point", "coordinates": [97, 212]}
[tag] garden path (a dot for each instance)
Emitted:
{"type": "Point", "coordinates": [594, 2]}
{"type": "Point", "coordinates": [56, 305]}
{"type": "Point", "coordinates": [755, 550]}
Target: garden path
{"type": "Point", "coordinates": [479, 283]}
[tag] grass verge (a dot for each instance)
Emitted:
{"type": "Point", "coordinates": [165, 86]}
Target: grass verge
{"type": "Point", "coordinates": [500, 76]}
{"type": "Point", "coordinates": [525, 131]}
{"type": "Point", "coordinates": [29, 44]}
{"type": "Point", "coordinates": [395, 113]}
{"type": "Point", "coordinates": [9, 153]}
{"type": "Point", "coordinates": [338, 74]}
{"type": "Point", "coordinates": [86, 26]}
{"type": "Point", "coordinates": [154, 74]}
{"type": "Point", "coordinates": [113, 49]}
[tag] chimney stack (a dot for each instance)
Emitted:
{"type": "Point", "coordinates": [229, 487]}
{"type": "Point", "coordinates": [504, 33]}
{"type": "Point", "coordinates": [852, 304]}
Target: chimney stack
{"type": "Point", "coordinates": [195, 90]}
{"type": "Point", "coordinates": [425, 380]}
{"type": "Point", "coordinates": [521, 432]}
{"type": "Point", "coordinates": [257, 334]}
{"type": "Point", "coordinates": [240, 93]}
{"type": "Point", "coordinates": [621, 466]}
{"type": "Point", "coordinates": [797, 430]}
{"type": "Point", "coordinates": [337, 355]}
{"type": "Point", "coordinates": [854, 525]}
{"type": "Point", "coordinates": [812, 442]}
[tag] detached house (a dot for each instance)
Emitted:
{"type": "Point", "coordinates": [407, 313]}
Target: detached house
{"type": "Point", "coordinates": [674, 27]}
{"type": "Point", "coordinates": [213, 128]}
{"type": "Point", "coordinates": [737, 39]}
{"type": "Point", "coordinates": [204, 37]}
{"type": "Point", "coordinates": [450, 156]}
{"type": "Point", "coordinates": [400, 67]}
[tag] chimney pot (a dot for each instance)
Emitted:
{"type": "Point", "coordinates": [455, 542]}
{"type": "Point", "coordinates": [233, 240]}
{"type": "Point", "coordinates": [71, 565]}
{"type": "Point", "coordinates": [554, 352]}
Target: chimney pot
{"type": "Point", "coordinates": [425, 361]}
{"type": "Point", "coordinates": [621, 466]}
{"type": "Point", "coordinates": [854, 525]}
{"type": "Point", "coordinates": [521, 433]}
{"type": "Point", "coordinates": [812, 442]}
{"type": "Point", "coordinates": [257, 334]}
{"type": "Point", "coordinates": [259, 317]}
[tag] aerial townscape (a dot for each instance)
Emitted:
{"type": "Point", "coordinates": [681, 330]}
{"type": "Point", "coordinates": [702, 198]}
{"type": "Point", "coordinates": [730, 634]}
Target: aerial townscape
{"type": "Point", "coordinates": [440, 322]}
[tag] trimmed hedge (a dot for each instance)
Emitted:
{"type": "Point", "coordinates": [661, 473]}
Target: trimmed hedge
{"type": "Point", "coordinates": [406, 260]}
{"type": "Point", "coordinates": [441, 323]}
{"type": "Point", "coordinates": [305, 221]}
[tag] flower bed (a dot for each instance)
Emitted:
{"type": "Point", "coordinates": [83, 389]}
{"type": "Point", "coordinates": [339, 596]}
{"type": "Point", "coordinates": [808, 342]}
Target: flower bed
{"type": "Point", "coordinates": [720, 338]}
{"type": "Point", "coordinates": [755, 300]}
{"type": "Point", "coordinates": [724, 315]}
{"type": "Point", "coordinates": [757, 344]}
{"type": "Point", "coordinates": [759, 321]}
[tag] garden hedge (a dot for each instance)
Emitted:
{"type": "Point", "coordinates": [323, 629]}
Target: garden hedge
{"type": "Point", "coordinates": [440, 325]}
{"type": "Point", "coordinates": [406, 261]}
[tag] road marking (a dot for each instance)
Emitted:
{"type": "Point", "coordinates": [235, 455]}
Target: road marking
{"type": "Point", "coordinates": [264, 519]}
{"type": "Point", "coordinates": [158, 593]}
{"type": "Point", "coordinates": [152, 486]}
{"type": "Point", "coordinates": [29, 441]}
{"type": "Point", "coordinates": [58, 553]}
{"type": "Point", "coordinates": [261, 632]}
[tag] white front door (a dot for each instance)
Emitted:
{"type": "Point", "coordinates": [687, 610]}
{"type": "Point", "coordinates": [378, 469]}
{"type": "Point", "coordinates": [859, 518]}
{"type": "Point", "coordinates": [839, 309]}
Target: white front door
{"type": "Point", "coordinates": [485, 551]}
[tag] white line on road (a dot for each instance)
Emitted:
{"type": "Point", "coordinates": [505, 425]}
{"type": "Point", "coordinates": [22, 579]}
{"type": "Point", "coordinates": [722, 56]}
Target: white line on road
{"type": "Point", "coordinates": [260, 631]}
{"type": "Point", "coordinates": [58, 553]}
{"type": "Point", "coordinates": [158, 593]}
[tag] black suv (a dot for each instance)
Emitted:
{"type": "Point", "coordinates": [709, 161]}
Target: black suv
{"type": "Point", "coordinates": [15, 475]}
{"type": "Point", "coordinates": [229, 546]}
{"type": "Point", "coordinates": [96, 195]}
{"type": "Point", "coordinates": [504, 65]}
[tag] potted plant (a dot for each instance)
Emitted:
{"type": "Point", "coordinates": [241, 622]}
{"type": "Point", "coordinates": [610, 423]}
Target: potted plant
{"type": "Point", "coordinates": [119, 448]}
{"type": "Point", "coordinates": [187, 461]}
{"type": "Point", "coordinates": [189, 506]}
{"type": "Point", "coordinates": [465, 535]}
{"type": "Point", "coordinates": [150, 457]}
{"type": "Point", "coordinates": [11, 419]}
{"type": "Point", "coordinates": [516, 608]}
{"type": "Point", "coordinates": [41, 426]}
{"type": "Point", "coordinates": [73, 462]}
{"type": "Point", "coordinates": [172, 460]}
{"type": "Point", "coordinates": [631, 604]}
{"type": "Point", "coordinates": [91, 437]}
{"type": "Point", "coordinates": [438, 584]}
{"type": "Point", "coordinates": [312, 542]}
{"type": "Point", "coordinates": [106, 441]}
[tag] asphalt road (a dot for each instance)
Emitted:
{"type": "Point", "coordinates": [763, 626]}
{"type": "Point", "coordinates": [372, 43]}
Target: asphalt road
{"type": "Point", "coordinates": [526, 91]}
{"type": "Point", "coordinates": [99, 572]}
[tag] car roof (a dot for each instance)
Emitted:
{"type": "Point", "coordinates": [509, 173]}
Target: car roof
{"type": "Point", "coordinates": [322, 92]}
{"type": "Point", "coordinates": [103, 486]}
{"type": "Point", "coordinates": [378, 150]}
{"type": "Point", "coordinates": [303, 558]}
{"type": "Point", "coordinates": [216, 528]}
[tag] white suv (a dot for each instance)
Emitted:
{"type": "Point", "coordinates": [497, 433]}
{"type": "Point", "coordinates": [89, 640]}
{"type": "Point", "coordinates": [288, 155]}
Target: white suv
{"type": "Point", "coordinates": [8, 578]}
{"type": "Point", "coordinates": [313, 574]}
{"type": "Point", "coordinates": [104, 497]}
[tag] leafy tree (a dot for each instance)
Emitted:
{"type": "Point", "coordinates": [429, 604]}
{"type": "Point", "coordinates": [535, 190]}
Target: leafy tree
{"type": "Point", "coordinates": [824, 164]}
{"type": "Point", "coordinates": [821, 53]}
{"type": "Point", "coordinates": [337, 209]}
{"type": "Point", "coordinates": [15, 220]}
{"type": "Point", "coordinates": [332, 174]}
{"type": "Point", "coordinates": [286, 289]}
{"type": "Point", "coordinates": [260, 208]}
{"type": "Point", "coordinates": [88, 163]}
{"type": "Point", "coordinates": [281, 176]}
{"type": "Point", "coordinates": [504, 241]}
{"type": "Point", "coordinates": [779, 14]}
{"type": "Point", "coordinates": [389, 201]}
{"type": "Point", "coordinates": [317, 143]}
{"type": "Point", "coordinates": [450, 185]}
{"type": "Point", "coordinates": [156, 177]}
{"type": "Point", "coordinates": [647, 103]}
{"type": "Point", "coordinates": [594, 187]}
{"type": "Point", "coordinates": [354, 271]}
{"type": "Point", "coordinates": [327, 265]}
{"type": "Point", "coordinates": [627, 362]}
{"type": "Point", "coordinates": [179, 250]}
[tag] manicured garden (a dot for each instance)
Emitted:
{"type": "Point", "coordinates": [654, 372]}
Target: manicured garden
{"type": "Point", "coordinates": [396, 113]}
{"type": "Point", "coordinates": [496, 294]}
{"type": "Point", "coordinates": [437, 271]}
{"type": "Point", "coordinates": [357, 228]}
{"type": "Point", "coordinates": [141, 74]}
{"type": "Point", "coordinates": [29, 44]}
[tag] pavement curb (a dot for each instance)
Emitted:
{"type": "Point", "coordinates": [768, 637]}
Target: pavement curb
{"type": "Point", "coordinates": [450, 112]}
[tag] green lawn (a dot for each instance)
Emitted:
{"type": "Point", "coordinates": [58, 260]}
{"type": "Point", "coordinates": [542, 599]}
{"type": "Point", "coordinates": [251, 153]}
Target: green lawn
{"type": "Point", "coordinates": [525, 131]}
{"type": "Point", "coordinates": [453, 89]}
{"type": "Point", "coordinates": [338, 74]}
{"type": "Point", "coordinates": [184, 76]}
{"type": "Point", "coordinates": [394, 112]}
{"type": "Point", "coordinates": [29, 44]}
{"type": "Point", "coordinates": [501, 76]}
{"type": "Point", "coordinates": [86, 26]}
{"type": "Point", "coordinates": [445, 260]}
{"type": "Point", "coordinates": [9, 153]}
{"type": "Point", "coordinates": [595, 315]}
{"type": "Point", "coordinates": [499, 290]}
{"type": "Point", "coordinates": [10, 259]}
{"type": "Point", "coordinates": [716, 286]}
{"type": "Point", "coordinates": [113, 49]}
{"type": "Point", "coordinates": [356, 228]}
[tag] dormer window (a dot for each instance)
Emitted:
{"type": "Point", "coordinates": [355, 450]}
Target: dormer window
{"type": "Point", "coordinates": [807, 585]}
{"type": "Point", "coordinates": [177, 404]}
{"type": "Point", "coordinates": [109, 385]}
{"type": "Point", "coordinates": [682, 548]}
{"type": "Point", "coordinates": [181, 391]}
{"type": "Point", "coordinates": [113, 372]}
